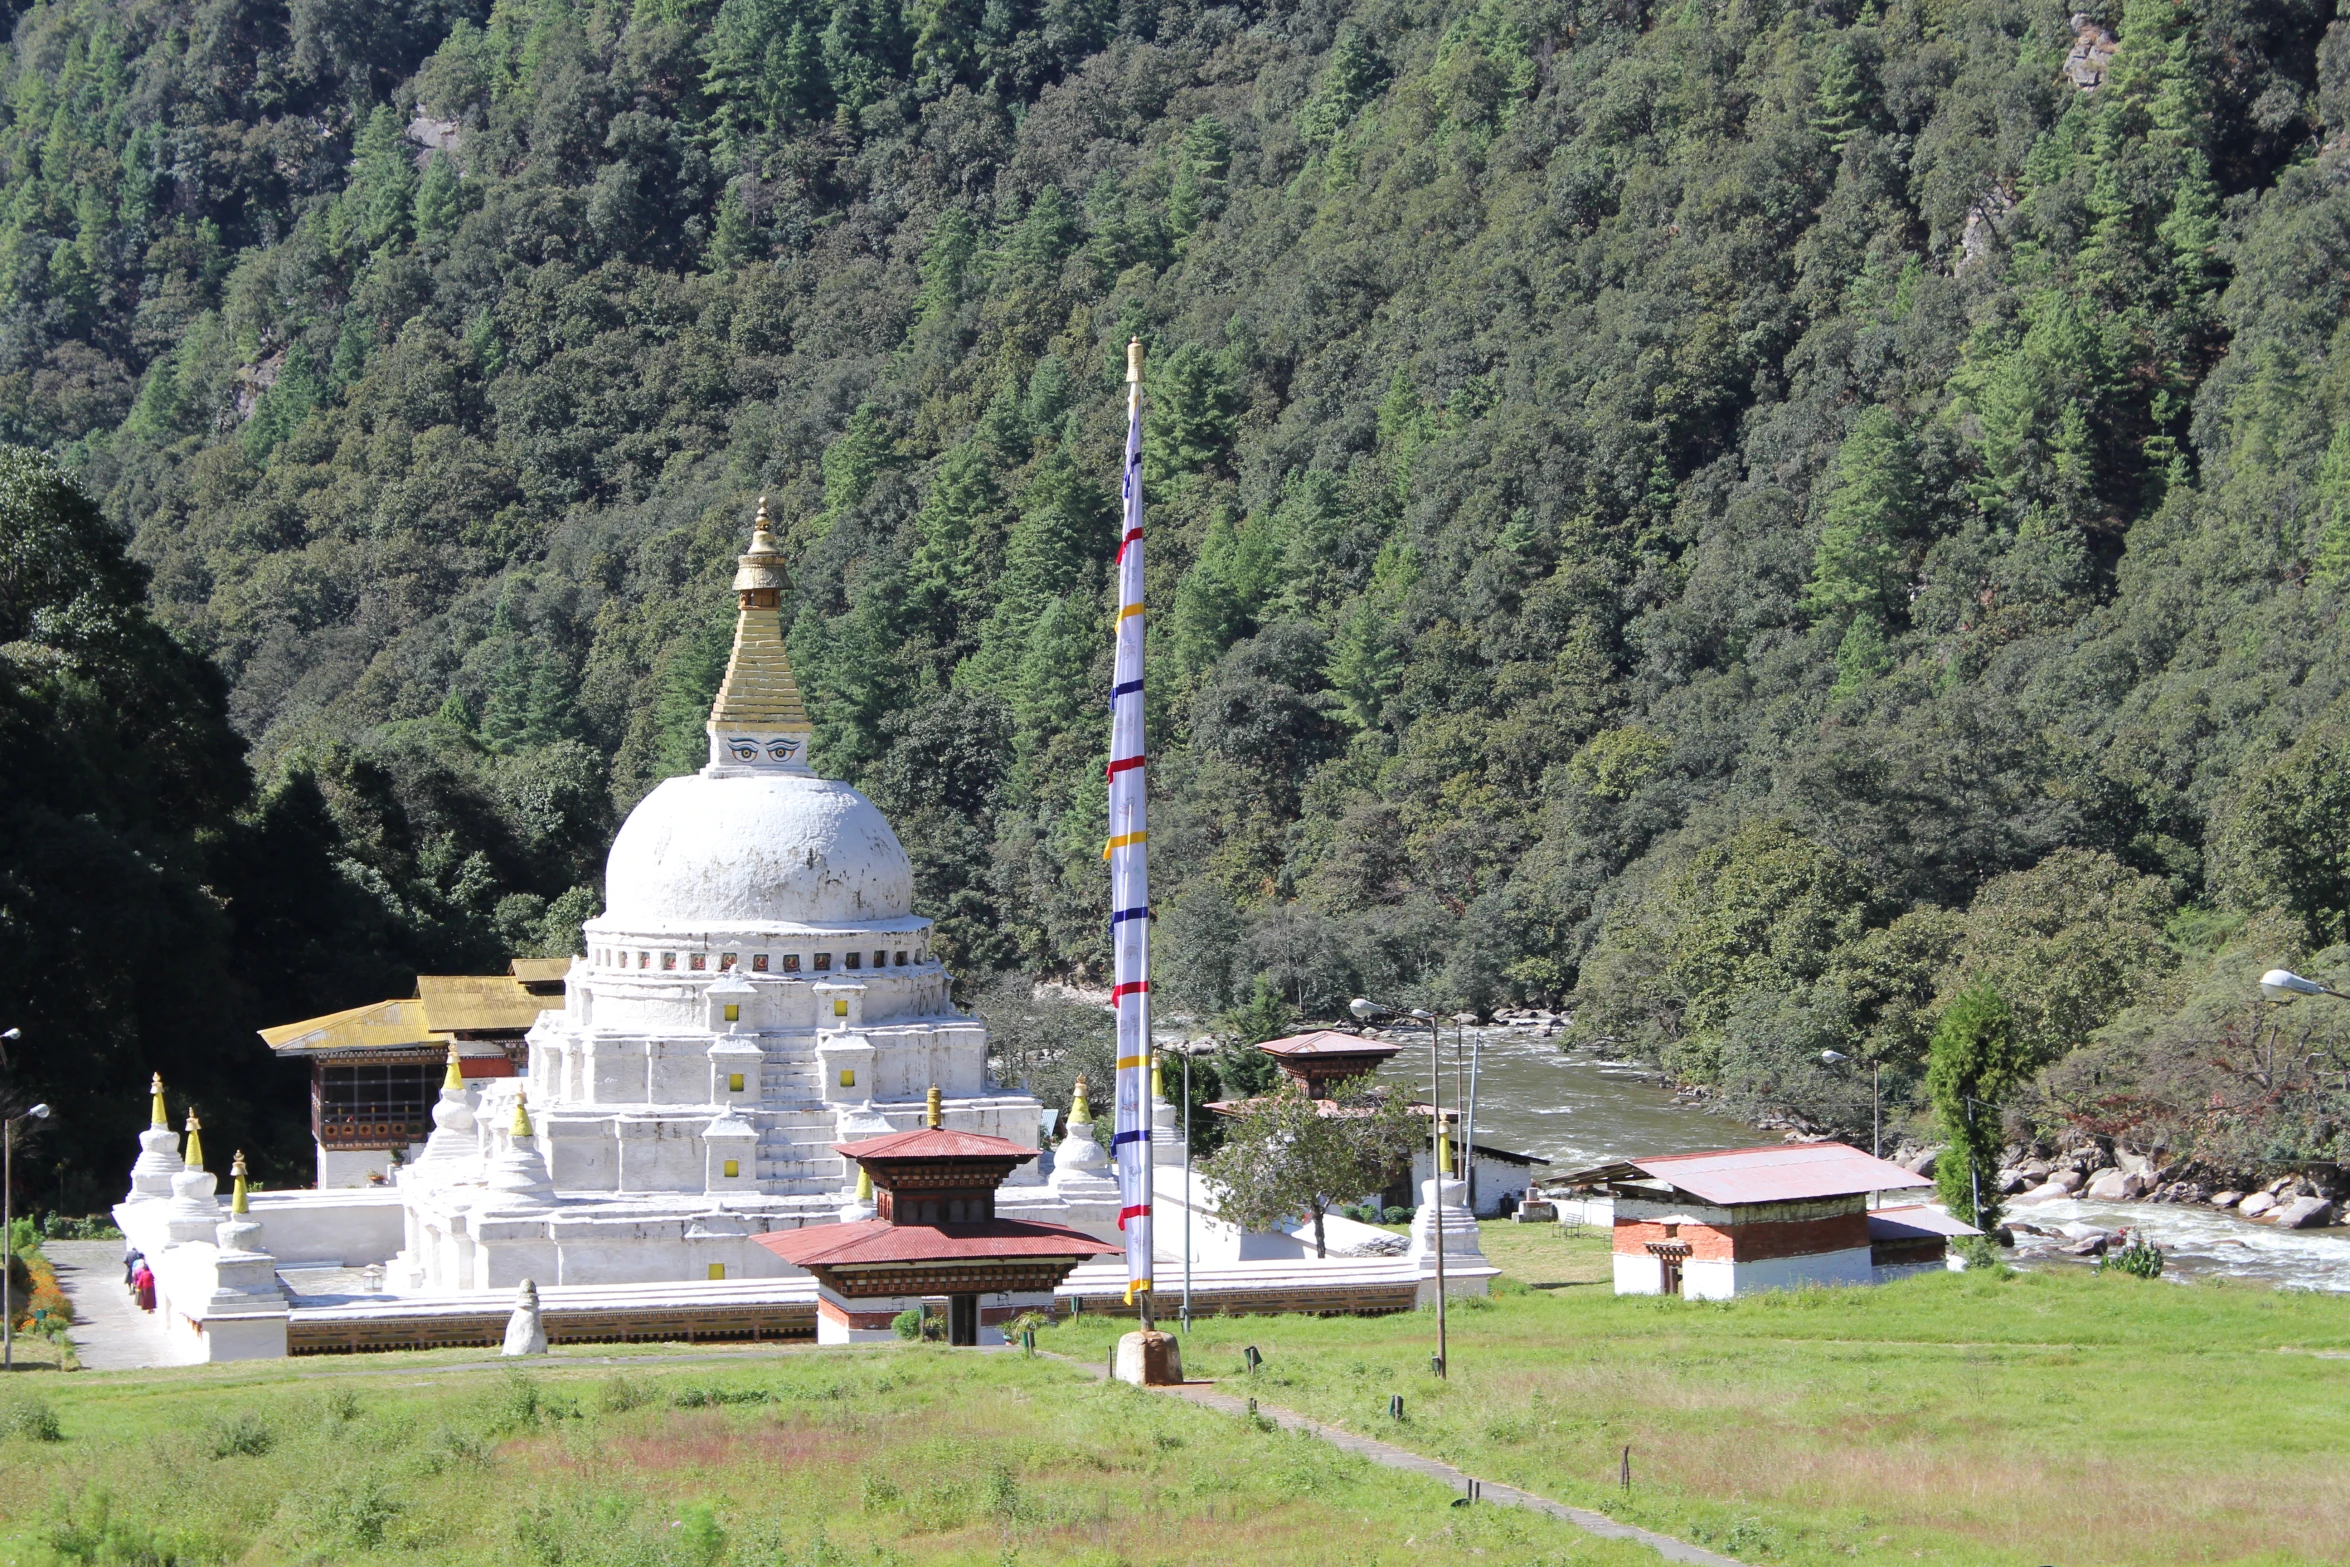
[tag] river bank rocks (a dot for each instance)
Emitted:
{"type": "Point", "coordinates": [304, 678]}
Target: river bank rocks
{"type": "Point", "coordinates": [2098, 1170]}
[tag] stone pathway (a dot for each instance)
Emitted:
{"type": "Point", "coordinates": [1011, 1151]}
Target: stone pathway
{"type": "Point", "coordinates": [110, 1332]}
{"type": "Point", "coordinates": [1388, 1455]}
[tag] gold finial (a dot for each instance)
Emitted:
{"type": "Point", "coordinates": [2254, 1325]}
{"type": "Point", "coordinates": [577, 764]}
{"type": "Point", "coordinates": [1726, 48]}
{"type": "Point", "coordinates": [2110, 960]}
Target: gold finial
{"type": "Point", "coordinates": [1158, 1077]}
{"type": "Point", "coordinates": [521, 1126]}
{"type": "Point", "coordinates": [193, 1158]}
{"type": "Point", "coordinates": [162, 1116]}
{"type": "Point", "coordinates": [933, 1117]}
{"type": "Point", "coordinates": [864, 1184]}
{"type": "Point", "coordinates": [454, 1078]}
{"type": "Point", "coordinates": [1134, 361]}
{"type": "Point", "coordinates": [1444, 1153]}
{"type": "Point", "coordinates": [1079, 1110]}
{"type": "Point", "coordinates": [236, 1202]}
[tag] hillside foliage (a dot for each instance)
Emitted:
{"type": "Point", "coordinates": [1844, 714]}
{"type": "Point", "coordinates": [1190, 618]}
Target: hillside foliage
{"type": "Point", "coordinates": [1746, 517]}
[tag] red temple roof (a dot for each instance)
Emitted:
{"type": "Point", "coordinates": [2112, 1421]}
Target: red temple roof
{"type": "Point", "coordinates": [871, 1241]}
{"type": "Point", "coordinates": [935, 1142]}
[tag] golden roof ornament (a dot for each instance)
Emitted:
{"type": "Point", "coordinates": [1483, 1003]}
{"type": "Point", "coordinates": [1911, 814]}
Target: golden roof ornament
{"type": "Point", "coordinates": [237, 1202]}
{"type": "Point", "coordinates": [521, 1126]}
{"type": "Point", "coordinates": [162, 1117]}
{"type": "Point", "coordinates": [453, 1080]}
{"type": "Point", "coordinates": [864, 1184]}
{"type": "Point", "coordinates": [932, 1116]}
{"type": "Point", "coordinates": [194, 1157]}
{"type": "Point", "coordinates": [1079, 1110]}
{"type": "Point", "coordinates": [758, 720]}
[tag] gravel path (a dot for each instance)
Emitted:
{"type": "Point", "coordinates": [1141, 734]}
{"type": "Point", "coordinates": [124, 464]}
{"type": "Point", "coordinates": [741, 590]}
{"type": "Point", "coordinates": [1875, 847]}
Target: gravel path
{"type": "Point", "coordinates": [110, 1332]}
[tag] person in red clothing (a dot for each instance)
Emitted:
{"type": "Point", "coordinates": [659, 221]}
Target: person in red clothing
{"type": "Point", "coordinates": [143, 1286]}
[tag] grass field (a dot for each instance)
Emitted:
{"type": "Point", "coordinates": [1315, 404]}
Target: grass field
{"type": "Point", "coordinates": [2058, 1417]}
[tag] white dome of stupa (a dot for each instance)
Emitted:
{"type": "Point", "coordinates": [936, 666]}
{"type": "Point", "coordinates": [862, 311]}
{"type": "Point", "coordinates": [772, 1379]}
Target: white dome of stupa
{"type": "Point", "coordinates": [755, 848]}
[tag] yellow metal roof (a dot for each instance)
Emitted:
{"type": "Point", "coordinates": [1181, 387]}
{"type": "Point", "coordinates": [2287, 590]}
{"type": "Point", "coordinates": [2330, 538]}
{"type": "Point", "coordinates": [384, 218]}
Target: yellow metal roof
{"type": "Point", "coordinates": [380, 1025]}
{"type": "Point", "coordinates": [541, 971]}
{"type": "Point", "coordinates": [472, 1003]}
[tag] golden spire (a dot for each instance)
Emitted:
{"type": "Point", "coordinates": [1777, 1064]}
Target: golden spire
{"type": "Point", "coordinates": [1158, 1077]}
{"type": "Point", "coordinates": [864, 1184]}
{"type": "Point", "coordinates": [193, 1158]}
{"type": "Point", "coordinates": [521, 1126]}
{"type": "Point", "coordinates": [454, 1078]}
{"type": "Point", "coordinates": [931, 1115]}
{"type": "Point", "coordinates": [1444, 1153]}
{"type": "Point", "coordinates": [759, 694]}
{"type": "Point", "coordinates": [1079, 1110]}
{"type": "Point", "coordinates": [162, 1116]}
{"type": "Point", "coordinates": [236, 1202]}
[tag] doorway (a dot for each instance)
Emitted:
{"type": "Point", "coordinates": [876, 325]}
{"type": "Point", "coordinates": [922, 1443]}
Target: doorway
{"type": "Point", "coordinates": [1672, 1274]}
{"type": "Point", "coordinates": [963, 1320]}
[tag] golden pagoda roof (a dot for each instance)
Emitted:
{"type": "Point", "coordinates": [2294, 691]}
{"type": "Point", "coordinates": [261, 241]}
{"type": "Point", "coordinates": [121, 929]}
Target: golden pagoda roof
{"type": "Point", "coordinates": [380, 1025]}
{"type": "Point", "coordinates": [759, 692]}
{"type": "Point", "coordinates": [540, 975]}
{"type": "Point", "coordinates": [477, 1003]}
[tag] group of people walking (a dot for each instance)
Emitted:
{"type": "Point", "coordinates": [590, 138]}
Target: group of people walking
{"type": "Point", "coordinates": [137, 1277]}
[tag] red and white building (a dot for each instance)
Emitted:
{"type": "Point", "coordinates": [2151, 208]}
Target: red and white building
{"type": "Point", "coordinates": [1713, 1225]}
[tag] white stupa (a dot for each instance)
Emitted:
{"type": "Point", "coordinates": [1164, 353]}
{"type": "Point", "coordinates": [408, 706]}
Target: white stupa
{"type": "Point", "coordinates": [758, 989]}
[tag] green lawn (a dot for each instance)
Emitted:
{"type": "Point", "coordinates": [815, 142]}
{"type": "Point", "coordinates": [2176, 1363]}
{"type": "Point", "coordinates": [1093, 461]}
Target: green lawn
{"type": "Point", "coordinates": [2057, 1417]}
{"type": "Point", "coordinates": [2060, 1416]}
{"type": "Point", "coordinates": [781, 1458]}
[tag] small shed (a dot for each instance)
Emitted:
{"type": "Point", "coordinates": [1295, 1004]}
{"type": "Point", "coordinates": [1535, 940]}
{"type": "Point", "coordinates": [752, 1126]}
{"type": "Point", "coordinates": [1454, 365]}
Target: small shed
{"type": "Point", "coordinates": [1734, 1222]}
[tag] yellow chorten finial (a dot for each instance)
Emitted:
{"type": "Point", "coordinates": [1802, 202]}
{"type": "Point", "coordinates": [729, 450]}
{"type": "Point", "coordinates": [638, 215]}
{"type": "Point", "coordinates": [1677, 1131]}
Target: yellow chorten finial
{"type": "Point", "coordinates": [758, 711]}
{"type": "Point", "coordinates": [236, 1202]}
{"type": "Point", "coordinates": [454, 1078]}
{"type": "Point", "coordinates": [864, 1184]}
{"type": "Point", "coordinates": [1134, 361]}
{"type": "Point", "coordinates": [1079, 1110]}
{"type": "Point", "coordinates": [1444, 1154]}
{"type": "Point", "coordinates": [193, 1158]}
{"type": "Point", "coordinates": [162, 1116]}
{"type": "Point", "coordinates": [932, 1116]}
{"type": "Point", "coordinates": [1158, 1077]}
{"type": "Point", "coordinates": [521, 1126]}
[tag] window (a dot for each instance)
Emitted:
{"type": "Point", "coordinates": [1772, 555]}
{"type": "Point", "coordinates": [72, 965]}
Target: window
{"type": "Point", "coordinates": [791, 963]}
{"type": "Point", "coordinates": [759, 963]}
{"type": "Point", "coordinates": [840, 1007]}
{"type": "Point", "coordinates": [856, 959]}
{"type": "Point", "coordinates": [726, 962]}
{"type": "Point", "coordinates": [696, 962]}
{"type": "Point", "coordinates": [848, 1077]}
{"type": "Point", "coordinates": [823, 962]}
{"type": "Point", "coordinates": [901, 960]}
{"type": "Point", "coordinates": [718, 1270]}
{"type": "Point", "coordinates": [734, 1080]}
{"type": "Point", "coordinates": [881, 960]}
{"type": "Point", "coordinates": [669, 960]}
{"type": "Point", "coordinates": [644, 959]}
{"type": "Point", "coordinates": [734, 1012]}
{"type": "Point", "coordinates": [734, 1167]}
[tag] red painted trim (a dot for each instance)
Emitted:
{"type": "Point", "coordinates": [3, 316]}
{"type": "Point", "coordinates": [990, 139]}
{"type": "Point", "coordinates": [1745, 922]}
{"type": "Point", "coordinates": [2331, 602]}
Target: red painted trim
{"type": "Point", "coordinates": [1131, 988]}
{"type": "Point", "coordinates": [1123, 763]}
{"type": "Point", "coordinates": [1124, 1214]}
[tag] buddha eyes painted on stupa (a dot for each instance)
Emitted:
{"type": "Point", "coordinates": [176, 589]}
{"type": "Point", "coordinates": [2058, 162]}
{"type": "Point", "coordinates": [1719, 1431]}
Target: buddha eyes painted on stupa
{"type": "Point", "coordinates": [743, 749]}
{"type": "Point", "coordinates": [782, 748]}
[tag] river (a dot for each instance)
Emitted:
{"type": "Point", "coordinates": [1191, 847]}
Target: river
{"type": "Point", "coordinates": [1577, 1112]}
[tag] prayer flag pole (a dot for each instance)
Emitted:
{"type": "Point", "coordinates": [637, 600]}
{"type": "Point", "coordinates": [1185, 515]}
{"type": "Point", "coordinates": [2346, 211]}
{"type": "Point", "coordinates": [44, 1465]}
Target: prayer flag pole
{"type": "Point", "coordinates": [1128, 854]}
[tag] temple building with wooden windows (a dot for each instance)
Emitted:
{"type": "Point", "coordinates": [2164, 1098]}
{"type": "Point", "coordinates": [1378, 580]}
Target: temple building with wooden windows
{"type": "Point", "coordinates": [1735, 1222]}
{"type": "Point", "coordinates": [933, 1232]}
{"type": "Point", "coordinates": [376, 1070]}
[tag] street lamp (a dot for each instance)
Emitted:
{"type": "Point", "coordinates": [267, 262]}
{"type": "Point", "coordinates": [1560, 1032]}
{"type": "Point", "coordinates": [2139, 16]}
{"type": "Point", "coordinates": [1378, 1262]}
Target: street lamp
{"type": "Point", "coordinates": [1368, 1010]}
{"type": "Point", "coordinates": [7, 1227]}
{"type": "Point", "coordinates": [1876, 1098]}
{"type": "Point", "coordinates": [2282, 984]}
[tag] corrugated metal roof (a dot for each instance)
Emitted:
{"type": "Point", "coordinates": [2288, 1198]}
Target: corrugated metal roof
{"type": "Point", "coordinates": [869, 1241]}
{"type": "Point", "coordinates": [1778, 1172]}
{"type": "Point", "coordinates": [477, 1003]}
{"type": "Point", "coordinates": [1913, 1221]}
{"type": "Point", "coordinates": [380, 1025]}
{"type": "Point", "coordinates": [541, 971]}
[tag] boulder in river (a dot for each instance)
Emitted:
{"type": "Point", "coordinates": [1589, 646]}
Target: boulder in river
{"type": "Point", "coordinates": [2304, 1213]}
{"type": "Point", "coordinates": [2117, 1186]}
{"type": "Point", "coordinates": [2255, 1205]}
{"type": "Point", "coordinates": [2226, 1199]}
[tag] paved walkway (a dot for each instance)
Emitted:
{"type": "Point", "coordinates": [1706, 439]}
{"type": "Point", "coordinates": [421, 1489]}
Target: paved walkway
{"type": "Point", "coordinates": [110, 1332]}
{"type": "Point", "coordinates": [1390, 1456]}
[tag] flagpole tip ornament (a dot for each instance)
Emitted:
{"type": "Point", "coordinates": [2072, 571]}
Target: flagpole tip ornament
{"type": "Point", "coordinates": [1134, 361]}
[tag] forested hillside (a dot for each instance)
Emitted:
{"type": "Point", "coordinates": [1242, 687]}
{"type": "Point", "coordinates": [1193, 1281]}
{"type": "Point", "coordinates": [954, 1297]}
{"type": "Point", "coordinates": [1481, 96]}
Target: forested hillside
{"type": "Point", "coordinates": [1744, 517]}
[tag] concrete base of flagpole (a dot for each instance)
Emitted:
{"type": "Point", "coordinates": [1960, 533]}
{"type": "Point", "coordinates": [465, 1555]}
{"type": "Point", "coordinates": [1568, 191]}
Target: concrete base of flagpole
{"type": "Point", "coordinates": [1149, 1359]}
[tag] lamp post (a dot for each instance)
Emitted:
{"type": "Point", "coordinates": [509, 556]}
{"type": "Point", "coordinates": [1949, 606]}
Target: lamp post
{"type": "Point", "coordinates": [1876, 1098]}
{"type": "Point", "coordinates": [1367, 1010]}
{"type": "Point", "coordinates": [2282, 984]}
{"type": "Point", "coordinates": [8, 1227]}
